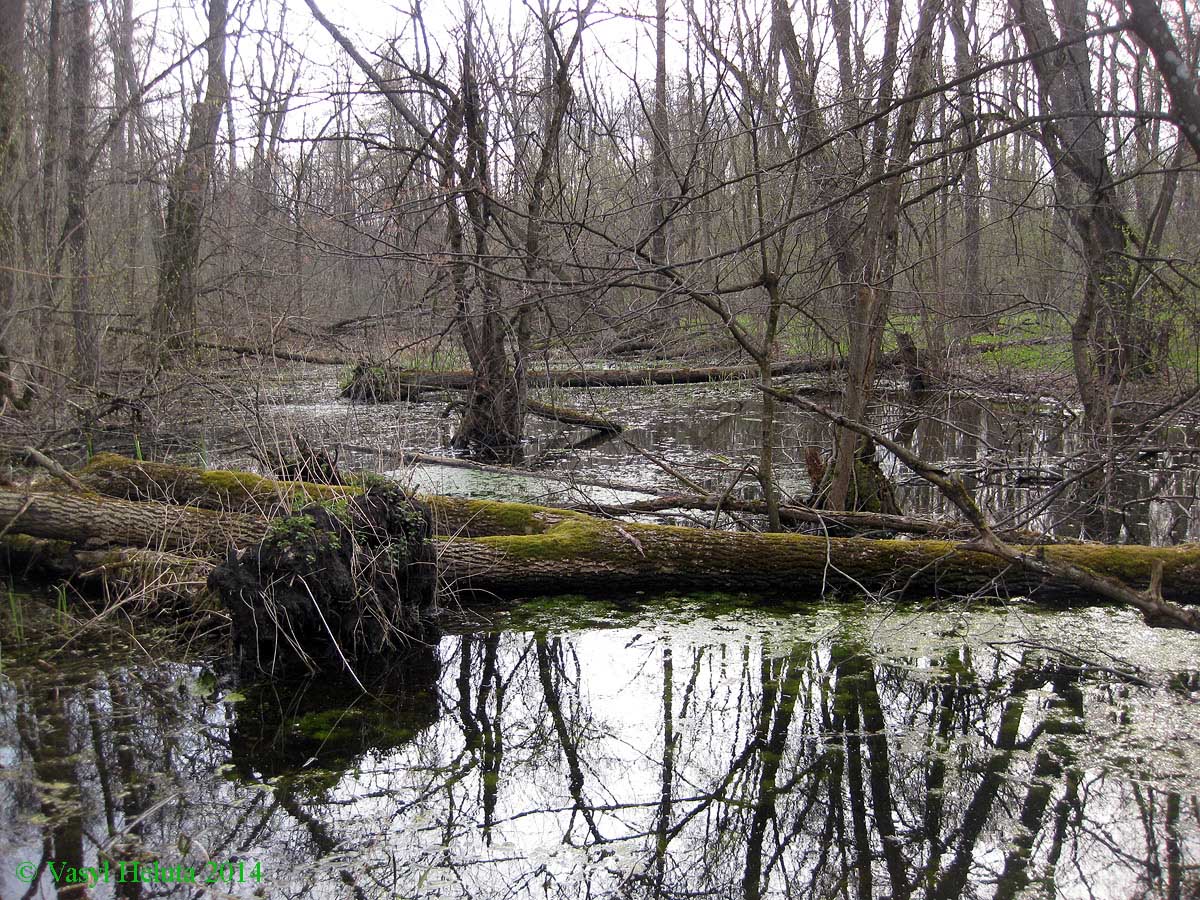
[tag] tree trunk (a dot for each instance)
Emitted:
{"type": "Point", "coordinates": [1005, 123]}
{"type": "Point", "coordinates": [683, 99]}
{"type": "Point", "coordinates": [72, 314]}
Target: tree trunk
{"type": "Point", "coordinates": [881, 240]}
{"type": "Point", "coordinates": [865, 262]}
{"type": "Point", "coordinates": [45, 322]}
{"type": "Point", "coordinates": [555, 551]}
{"type": "Point", "coordinates": [973, 303]}
{"type": "Point", "coordinates": [173, 322]}
{"type": "Point", "coordinates": [1147, 22]}
{"type": "Point", "coordinates": [660, 164]}
{"type": "Point", "coordinates": [1111, 337]}
{"type": "Point", "coordinates": [12, 41]}
{"type": "Point", "coordinates": [75, 225]}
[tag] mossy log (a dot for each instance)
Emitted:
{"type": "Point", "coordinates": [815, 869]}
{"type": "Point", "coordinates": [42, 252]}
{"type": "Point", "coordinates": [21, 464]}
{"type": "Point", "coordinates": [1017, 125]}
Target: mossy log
{"type": "Point", "coordinates": [589, 555]}
{"type": "Point", "coordinates": [557, 551]}
{"type": "Point", "coordinates": [377, 382]}
{"type": "Point", "coordinates": [262, 497]}
{"type": "Point", "coordinates": [90, 520]}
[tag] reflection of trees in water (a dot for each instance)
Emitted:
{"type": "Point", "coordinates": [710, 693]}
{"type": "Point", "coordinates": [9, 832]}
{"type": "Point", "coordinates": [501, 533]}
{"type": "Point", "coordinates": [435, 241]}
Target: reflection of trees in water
{"type": "Point", "coordinates": [1013, 456]}
{"type": "Point", "coordinates": [617, 765]}
{"type": "Point", "coordinates": [832, 776]}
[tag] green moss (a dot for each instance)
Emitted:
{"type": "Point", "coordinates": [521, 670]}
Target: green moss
{"type": "Point", "coordinates": [565, 540]}
{"type": "Point", "coordinates": [330, 724]}
{"type": "Point", "coordinates": [483, 517]}
{"type": "Point", "coordinates": [516, 518]}
{"type": "Point", "coordinates": [567, 611]}
{"type": "Point", "coordinates": [230, 488]}
{"type": "Point", "coordinates": [296, 534]}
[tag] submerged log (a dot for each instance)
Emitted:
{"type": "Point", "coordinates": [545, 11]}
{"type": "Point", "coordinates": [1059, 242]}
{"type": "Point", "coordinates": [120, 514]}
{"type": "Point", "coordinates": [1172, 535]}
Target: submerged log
{"type": "Point", "coordinates": [574, 417]}
{"type": "Point", "coordinates": [555, 551]}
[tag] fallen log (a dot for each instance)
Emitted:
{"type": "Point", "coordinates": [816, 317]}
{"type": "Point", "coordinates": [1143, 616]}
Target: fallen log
{"type": "Point", "coordinates": [573, 417]}
{"type": "Point", "coordinates": [591, 555]}
{"type": "Point", "coordinates": [94, 521]}
{"type": "Point", "coordinates": [263, 498]}
{"type": "Point", "coordinates": [557, 551]}
{"type": "Point", "coordinates": [329, 585]}
{"type": "Point", "coordinates": [404, 383]}
{"type": "Point", "coordinates": [151, 573]}
{"type": "Point", "coordinates": [382, 384]}
{"type": "Point", "coordinates": [659, 500]}
{"type": "Point", "coordinates": [118, 476]}
{"type": "Point", "coordinates": [373, 382]}
{"type": "Point", "coordinates": [836, 522]}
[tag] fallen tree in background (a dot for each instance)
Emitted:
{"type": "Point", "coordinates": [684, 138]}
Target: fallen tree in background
{"type": "Point", "coordinates": [384, 383]}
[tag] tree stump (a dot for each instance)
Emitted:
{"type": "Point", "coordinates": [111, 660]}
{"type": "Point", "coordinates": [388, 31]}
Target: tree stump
{"type": "Point", "coordinates": [368, 383]}
{"type": "Point", "coordinates": [335, 584]}
{"type": "Point", "coordinates": [869, 491]}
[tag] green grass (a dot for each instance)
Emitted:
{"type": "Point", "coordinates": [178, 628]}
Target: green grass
{"type": "Point", "coordinates": [16, 613]}
{"type": "Point", "coordinates": [1038, 357]}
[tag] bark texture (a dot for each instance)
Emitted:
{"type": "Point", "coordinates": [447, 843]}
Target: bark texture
{"type": "Point", "coordinates": [173, 322]}
{"type": "Point", "coordinates": [556, 551]}
{"type": "Point", "coordinates": [1147, 22]}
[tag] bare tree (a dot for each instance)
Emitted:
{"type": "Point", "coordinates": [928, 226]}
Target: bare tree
{"type": "Point", "coordinates": [865, 250]}
{"type": "Point", "coordinates": [75, 224]}
{"type": "Point", "coordinates": [44, 319]}
{"type": "Point", "coordinates": [173, 321]}
{"type": "Point", "coordinates": [480, 232]}
{"type": "Point", "coordinates": [1110, 337]}
{"type": "Point", "coordinates": [660, 157]}
{"type": "Point", "coordinates": [12, 42]}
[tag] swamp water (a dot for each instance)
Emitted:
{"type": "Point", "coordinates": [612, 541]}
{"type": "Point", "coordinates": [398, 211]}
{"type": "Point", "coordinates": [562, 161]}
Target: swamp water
{"type": "Point", "coordinates": [679, 749]}
{"type": "Point", "coordinates": [1012, 452]}
{"type": "Point", "coordinates": [673, 748]}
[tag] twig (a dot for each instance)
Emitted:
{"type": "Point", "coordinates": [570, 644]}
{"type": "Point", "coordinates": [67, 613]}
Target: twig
{"type": "Point", "coordinates": [666, 467]}
{"type": "Point", "coordinates": [20, 512]}
{"type": "Point", "coordinates": [724, 498]}
{"type": "Point", "coordinates": [37, 456]}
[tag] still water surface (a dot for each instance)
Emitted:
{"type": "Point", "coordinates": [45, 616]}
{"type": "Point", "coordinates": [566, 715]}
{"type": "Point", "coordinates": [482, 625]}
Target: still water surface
{"type": "Point", "coordinates": [665, 749]}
